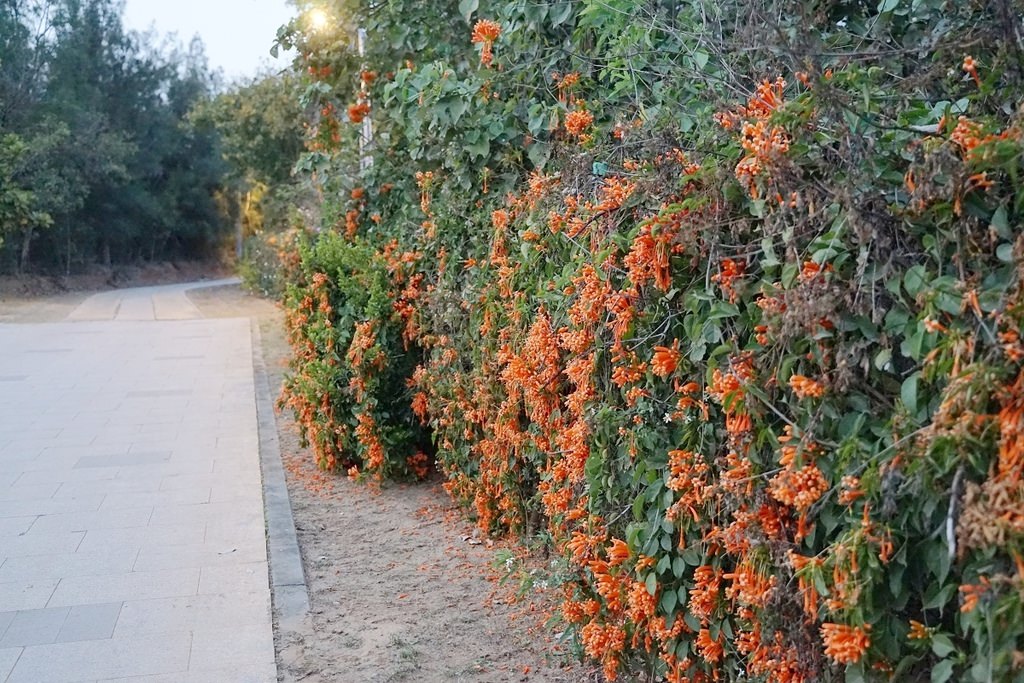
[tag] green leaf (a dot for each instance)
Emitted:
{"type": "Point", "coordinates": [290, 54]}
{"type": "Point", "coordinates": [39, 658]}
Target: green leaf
{"type": "Point", "coordinates": [887, 6]}
{"type": "Point", "coordinates": [914, 280]}
{"type": "Point", "coordinates": [1000, 223]}
{"type": "Point", "coordinates": [467, 7]}
{"type": "Point", "coordinates": [789, 273]}
{"type": "Point", "coordinates": [908, 393]}
{"type": "Point", "coordinates": [942, 646]}
{"type": "Point", "coordinates": [1004, 252]}
{"type": "Point", "coordinates": [559, 13]}
{"type": "Point", "coordinates": [651, 583]}
{"type": "Point", "coordinates": [668, 602]}
{"type": "Point", "coordinates": [942, 671]}
{"type": "Point", "coordinates": [481, 148]}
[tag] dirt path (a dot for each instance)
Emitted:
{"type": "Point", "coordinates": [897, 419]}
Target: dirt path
{"type": "Point", "coordinates": [401, 589]}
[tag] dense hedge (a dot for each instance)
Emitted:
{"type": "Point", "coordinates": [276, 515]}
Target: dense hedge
{"type": "Point", "coordinates": [720, 300]}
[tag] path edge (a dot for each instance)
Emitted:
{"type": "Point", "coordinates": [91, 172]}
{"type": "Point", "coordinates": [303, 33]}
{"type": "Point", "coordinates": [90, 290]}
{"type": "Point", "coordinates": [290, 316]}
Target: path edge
{"type": "Point", "coordinates": [287, 578]}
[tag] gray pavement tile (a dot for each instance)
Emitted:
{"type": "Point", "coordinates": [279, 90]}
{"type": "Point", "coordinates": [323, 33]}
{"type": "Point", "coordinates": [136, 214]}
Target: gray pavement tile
{"type": "Point", "coordinates": [159, 393]}
{"type": "Point", "coordinates": [243, 578]}
{"type": "Point", "coordinates": [19, 492]}
{"type": "Point", "coordinates": [87, 590]}
{"type": "Point", "coordinates": [97, 540]}
{"type": "Point", "coordinates": [233, 648]}
{"type": "Point", "coordinates": [67, 475]}
{"type": "Point", "coordinates": [200, 555]}
{"type": "Point", "coordinates": [78, 489]}
{"type": "Point", "coordinates": [207, 513]}
{"type": "Point", "coordinates": [225, 493]}
{"type": "Point", "coordinates": [89, 622]}
{"type": "Point", "coordinates": [215, 611]}
{"type": "Point", "coordinates": [27, 594]}
{"type": "Point", "coordinates": [124, 459]}
{"type": "Point", "coordinates": [15, 526]}
{"type": "Point", "coordinates": [5, 620]}
{"type": "Point", "coordinates": [43, 543]}
{"type": "Point", "coordinates": [247, 674]}
{"type": "Point", "coordinates": [67, 565]}
{"type": "Point", "coordinates": [165, 653]}
{"type": "Point", "coordinates": [89, 521]}
{"type": "Point", "coordinates": [141, 449]}
{"type": "Point", "coordinates": [51, 506]}
{"type": "Point", "coordinates": [34, 627]}
{"type": "Point", "coordinates": [175, 483]}
{"type": "Point", "coordinates": [8, 658]}
{"type": "Point", "coordinates": [156, 498]}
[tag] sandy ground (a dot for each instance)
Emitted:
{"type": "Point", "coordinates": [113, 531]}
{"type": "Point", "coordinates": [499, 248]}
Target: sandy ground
{"type": "Point", "coordinates": [400, 587]}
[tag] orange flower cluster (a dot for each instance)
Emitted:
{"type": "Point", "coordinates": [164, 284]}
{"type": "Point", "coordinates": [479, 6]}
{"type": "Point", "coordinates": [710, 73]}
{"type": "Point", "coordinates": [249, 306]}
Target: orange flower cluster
{"type": "Point", "coordinates": [369, 439]}
{"type": "Point", "coordinates": [731, 271]}
{"type": "Point", "coordinates": [845, 644]}
{"type": "Point", "coordinates": [800, 489]}
{"type": "Point", "coordinates": [805, 387]}
{"type": "Point", "coordinates": [970, 66]}
{"type": "Point", "coordinates": [578, 121]}
{"type": "Point", "coordinates": [485, 33]}
{"type": "Point", "coordinates": [765, 144]}
{"type": "Point", "coordinates": [565, 84]}
{"type": "Point", "coordinates": [358, 111]}
{"type": "Point", "coordinates": [666, 359]}
{"type": "Point", "coordinates": [648, 259]}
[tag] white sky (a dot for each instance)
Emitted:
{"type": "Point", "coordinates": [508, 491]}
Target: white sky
{"type": "Point", "coordinates": [238, 34]}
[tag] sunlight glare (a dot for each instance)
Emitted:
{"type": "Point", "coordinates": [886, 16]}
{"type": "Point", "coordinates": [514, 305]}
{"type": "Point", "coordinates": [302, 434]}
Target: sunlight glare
{"type": "Point", "coordinates": [318, 19]}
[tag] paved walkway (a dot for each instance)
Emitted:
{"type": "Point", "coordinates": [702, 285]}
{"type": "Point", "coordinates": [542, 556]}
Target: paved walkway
{"type": "Point", "coordinates": [132, 538]}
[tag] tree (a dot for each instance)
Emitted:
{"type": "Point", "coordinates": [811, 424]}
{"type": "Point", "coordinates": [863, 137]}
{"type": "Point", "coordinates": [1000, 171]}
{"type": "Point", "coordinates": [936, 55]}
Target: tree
{"type": "Point", "coordinates": [261, 136]}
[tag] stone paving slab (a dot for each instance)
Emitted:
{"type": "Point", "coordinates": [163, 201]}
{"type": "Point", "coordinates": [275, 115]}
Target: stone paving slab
{"type": "Point", "coordinates": [132, 540]}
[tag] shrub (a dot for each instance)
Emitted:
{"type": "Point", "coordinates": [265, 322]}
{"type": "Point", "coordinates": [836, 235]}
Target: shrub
{"type": "Point", "coordinates": [729, 320]}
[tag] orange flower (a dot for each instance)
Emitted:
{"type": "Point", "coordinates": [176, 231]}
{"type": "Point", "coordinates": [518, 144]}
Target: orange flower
{"type": "Point", "coordinates": [704, 594]}
{"type": "Point", "coordinates": [851, 490]}
{"type": "Point", "coordinates": [799, 489]}
{"type": "Point", "coordinates": [357, 112]}
{"type": "Point", "coordinates": [618, 552]}
{"type": "Point", "coordinates": [665, 359]}
{"type": "Point", "coordinates": [578, 121]}
{"type": "Point", "coordinates": [805, 387]}
{"type": "Point", "coordinates": [731, 271]}
{"type": "Point", "coordinates": [486, 32]}
{"type": "Point", "coordinates": [970, 65]}
{"type": "Point", "coordinates": [918, 631]}
{"type": "Point", "coordinates": [710, 650]}
{"type": "Point", "coordinates": [845, 644]}
{"type": "Point", "coordinates": [972, 593]}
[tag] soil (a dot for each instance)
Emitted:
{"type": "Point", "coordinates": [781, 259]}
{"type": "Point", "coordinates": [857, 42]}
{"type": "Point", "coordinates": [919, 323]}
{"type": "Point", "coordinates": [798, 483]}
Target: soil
{"type": "Point", "coordinates": [401, 588]}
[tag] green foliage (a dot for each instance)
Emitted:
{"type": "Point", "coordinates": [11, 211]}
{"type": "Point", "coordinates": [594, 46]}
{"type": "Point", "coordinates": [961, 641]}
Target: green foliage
{"type": "Point", "coordinates": [110, 154]}
{"type": "Point", "coordinates": [352, 361]}
{"type": "Point", "coordinates": [744, 352]}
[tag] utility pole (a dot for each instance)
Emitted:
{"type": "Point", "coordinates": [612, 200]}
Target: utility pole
{"type": "Point", "coordinates": [366, 135]}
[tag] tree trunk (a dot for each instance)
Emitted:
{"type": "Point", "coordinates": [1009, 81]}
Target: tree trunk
{"type": "Point", "coordinates": [26, 246]}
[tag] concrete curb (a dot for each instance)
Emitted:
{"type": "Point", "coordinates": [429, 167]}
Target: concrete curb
{"type": "Point", "coordinates": [287, 579]}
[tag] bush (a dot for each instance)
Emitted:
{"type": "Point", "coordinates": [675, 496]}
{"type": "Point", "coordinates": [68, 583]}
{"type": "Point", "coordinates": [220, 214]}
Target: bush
{"type": "Point", "coordinates": [352, 359]}
{"type": "Point", "coordinates": [749, 365]}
